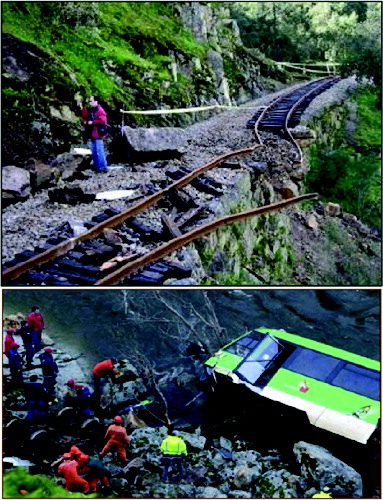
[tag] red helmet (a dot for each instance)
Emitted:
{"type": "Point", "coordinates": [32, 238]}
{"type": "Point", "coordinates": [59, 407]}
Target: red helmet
{"type": "Point", "coordinates": [118, 419]}
{"type": "Point", "coordinates": [67, 455]}
{"type": "Point", "coordinates": [48, 349]}
{"type": "Point", "coordinates": [70, 382]}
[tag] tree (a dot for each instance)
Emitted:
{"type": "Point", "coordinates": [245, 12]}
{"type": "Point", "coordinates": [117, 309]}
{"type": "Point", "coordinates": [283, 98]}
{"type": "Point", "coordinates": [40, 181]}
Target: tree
{"type": "Point", "coordinates": [363, 48]}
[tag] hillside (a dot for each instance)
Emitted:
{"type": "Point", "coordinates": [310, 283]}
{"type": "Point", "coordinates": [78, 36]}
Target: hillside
{"type": "Point", "coordinates": [134, 55]}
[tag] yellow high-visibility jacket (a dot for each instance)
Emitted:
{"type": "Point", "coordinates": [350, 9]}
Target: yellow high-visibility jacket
{"type": "Point", "coordinates": [322, 494]}
{"type": "Point", "coordinates": [173, 445]}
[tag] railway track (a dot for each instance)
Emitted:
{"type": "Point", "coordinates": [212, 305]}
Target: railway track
{"type": "Point", "coordinates": [284, 112]}
{"type": "Point", "coordinates": [69, 260]}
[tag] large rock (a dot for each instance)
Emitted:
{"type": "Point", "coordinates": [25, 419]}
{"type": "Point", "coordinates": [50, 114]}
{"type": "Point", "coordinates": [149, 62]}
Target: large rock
{"type": "Point", "coordinates": [210, 492]}
{"type": "Point", "coordinates": [159, 142]}
{"type": "Point", "coordinates": [42, 175]}
{"type": "Point", "coordinates": [319, 465]}
{"type": "Point", "coordinates": [289, 190]}
{"type": "Point", "coordinates": [16, 183]}
{"type": "Point", "coordinates": [302, 132]}
{"type": "Point", "coordinates": [194, 442]}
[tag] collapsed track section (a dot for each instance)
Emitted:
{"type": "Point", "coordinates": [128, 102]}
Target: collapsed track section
{"type": "Point", "coordinates": [60, 261]}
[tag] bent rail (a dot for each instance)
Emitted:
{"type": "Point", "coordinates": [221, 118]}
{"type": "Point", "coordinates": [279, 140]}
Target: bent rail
{"type": "Point", "coordinates": [65, 246]}
{"type": "Point", "coordinates": [163, 250]}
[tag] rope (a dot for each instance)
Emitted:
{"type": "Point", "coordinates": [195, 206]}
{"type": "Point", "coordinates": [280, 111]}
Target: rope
{"type": "Point", "coordinates": [182, 110]}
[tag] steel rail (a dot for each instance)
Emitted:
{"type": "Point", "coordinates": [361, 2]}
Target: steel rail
{"type": "Point", "coordinates": [166, 248]}
{"type": "Point", "coordinates": [64, 247]}
{"type": "Point", "coordinates": [293, 108]}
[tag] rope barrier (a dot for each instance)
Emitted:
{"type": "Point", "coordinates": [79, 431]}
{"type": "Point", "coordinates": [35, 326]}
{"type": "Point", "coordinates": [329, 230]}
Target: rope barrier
{"type": "Point", "coordinates": [183, 110]}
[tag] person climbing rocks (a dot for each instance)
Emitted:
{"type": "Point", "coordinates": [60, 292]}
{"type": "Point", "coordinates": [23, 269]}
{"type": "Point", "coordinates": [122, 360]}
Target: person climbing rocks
{"type": "Point", "coordinates": [37, 399]}
{"type": "Point", "coordinates": [95, 473]}
{"type": "Point", "coordinates": [25, 333]}
{"type": "Point", "coordinates": [50, 370]}
{"type": "Point", "coordinates": [324, 493]}
{"type": "Point", "coordinates": [173, 449]}
{"type": "Point", "coordinates": [9, 340]}
{"type": "Point", "coordinates": [98, 120]}
{"type": "Point", "coordinates": [103, 370]}
{"type": "Point", "coordinates": [15, 364]}
{"type": "Point", "coordinates": [73, 481]}
{"type": "Point", "coordinates": [36, 323]}
{"type": "Point", "coordinates": [117, 437]}
{"type": "Point", "coordinates": [79, 396]}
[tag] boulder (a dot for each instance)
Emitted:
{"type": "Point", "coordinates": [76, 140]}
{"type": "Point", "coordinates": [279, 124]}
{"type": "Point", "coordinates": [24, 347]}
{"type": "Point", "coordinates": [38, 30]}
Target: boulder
{"type": "Point", "coordinates": [302, 132]}
{"type": "Point", "coordinates": [318, 465]}
{"type": "Point", "coordinates": [210, 492]}
{"type": "Point", "coordinates": [331, 209]}
{"type": "Point", "coordinates": [249, 457]}
{"type": "Point", "coordinates": [194, 441]}
{"type": "Point", "coordinates": [288, 190]}
{"type": "Point", "coordinates": [42, 175]}
{"type": "Point", "coordinates": [154, 142]}
{"type": "Point", "coordinates": [70, 162]}
{"type": "Point", "coordinates": [240, 494]}
{"type": "Point", "coordinates": [225, 443]}
{"type": "Point", "coordinates": [312, 222]}
{"type": "Point", "coordinates": [16, 183]}
{"type": "Point", "coordinates": [257, 167]}
{"type": "Point", "coordinates": [132, 390]}
{"type": "Point", "coordinates": [243, 477]}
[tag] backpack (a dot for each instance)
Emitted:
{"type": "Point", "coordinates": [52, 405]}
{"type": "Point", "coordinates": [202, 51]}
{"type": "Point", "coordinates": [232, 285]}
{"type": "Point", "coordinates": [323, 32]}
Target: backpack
{"type": "Point", "coordinates": [102, 130]}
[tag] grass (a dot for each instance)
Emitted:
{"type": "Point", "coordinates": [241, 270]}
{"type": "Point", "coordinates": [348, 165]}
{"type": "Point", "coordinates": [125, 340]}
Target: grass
{"type": "Point", "coordinates": [351, 174]}
{"type": "Point", "coordinates": [131, 37]}
{"type": "Point", "coordinates": [369, 119]}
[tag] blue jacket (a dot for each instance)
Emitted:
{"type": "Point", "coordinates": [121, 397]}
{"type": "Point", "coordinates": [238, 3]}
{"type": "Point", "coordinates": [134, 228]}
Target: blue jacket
{"type": "Point", "coordinates": [14, 359]}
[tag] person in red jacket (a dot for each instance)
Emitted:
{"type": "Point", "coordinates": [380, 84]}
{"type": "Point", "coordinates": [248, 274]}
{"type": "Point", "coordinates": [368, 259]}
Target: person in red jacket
{"type": "Point", "coordinates": [98, 120]}
{"type": "Point", "coordinates": [117, 437]}
{"type": "Point", "coordinates": [36, 323]}
{"type": "Point", "coordinates": [9, 340]}
{"type": "Point", "coordinates": [103, 370]}
{"type": "Point", "coordinates": [68, 469]}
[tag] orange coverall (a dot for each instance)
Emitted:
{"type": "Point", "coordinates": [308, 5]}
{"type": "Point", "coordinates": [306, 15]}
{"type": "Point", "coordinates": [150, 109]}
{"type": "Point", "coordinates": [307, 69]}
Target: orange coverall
{"type": "Point", "coordinates": [68, 469]}
{"type": "Point", "coordinates": [118, 437]}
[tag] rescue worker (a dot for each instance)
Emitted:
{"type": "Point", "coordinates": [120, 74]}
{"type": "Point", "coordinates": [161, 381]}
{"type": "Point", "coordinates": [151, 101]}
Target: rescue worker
{"type": "Point", "coordinates": [68, 469]}
{"type": "Point", "coordinates": [36, 323]}
{"type": "Point", "coordinates": [9, 340]}
{"type": "Point", "coordinates": [37, 399]}
{"type": "Point", "coordinates": [26, 334]}
{"type": "Point", "coordinates": [94, 472]}
{"type": "Point", "coordinates": [77, 455]}
{"type": "Point", "coordinates": [325, 493]}
{"type": "Point", "coordinates": [50, 370]}
{"type": "Point", "coordinates": [103, 370]}
{"type": "Point", "coordinates": [173, 449]}
{"type": "Point", "coordinates": [79, 396]}
{"type": "Point", "coordinates": [117, 437]}
{"type": "Point", "coordinates": [15, 364]}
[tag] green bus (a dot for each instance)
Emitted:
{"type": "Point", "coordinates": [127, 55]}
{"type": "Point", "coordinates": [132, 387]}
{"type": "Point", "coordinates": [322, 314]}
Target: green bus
{"type": "Point", "coordinates": [338, 390]}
